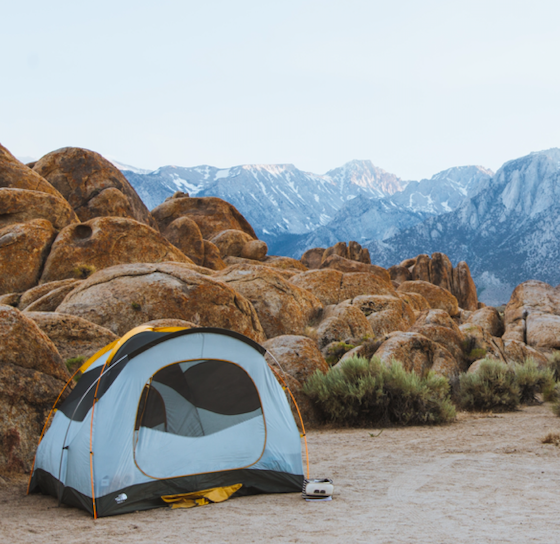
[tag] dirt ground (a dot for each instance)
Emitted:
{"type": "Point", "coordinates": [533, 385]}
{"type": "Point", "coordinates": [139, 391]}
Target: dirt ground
{"type": "Point", "coordinates": [486, 478]}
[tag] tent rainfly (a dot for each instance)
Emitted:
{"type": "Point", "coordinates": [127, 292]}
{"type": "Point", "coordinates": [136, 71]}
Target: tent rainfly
{"type": "Point", "coordinates": [169, 411]}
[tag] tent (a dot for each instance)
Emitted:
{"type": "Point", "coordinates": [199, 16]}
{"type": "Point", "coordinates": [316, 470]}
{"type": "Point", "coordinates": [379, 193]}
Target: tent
{"type": "Point", "coordinates": [169, 411]}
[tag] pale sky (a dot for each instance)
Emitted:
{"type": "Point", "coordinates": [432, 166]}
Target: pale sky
{"type": "Point", "coordinates": [416, 86]}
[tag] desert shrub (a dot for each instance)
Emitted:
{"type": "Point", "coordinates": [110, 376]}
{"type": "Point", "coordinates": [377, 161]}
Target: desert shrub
{"type": "Point", "coordinates": [552, 438]}
{"type": "Point", "coordinates": [556, 407]}
{"type": "Point", "coordinates": [366, 392]}
{"type": "Point", "coordinates": [532, 380]}
{"type": "Point", "coordinates": [135, 306]}
{"type": "Point", "coordinates": [83, 271]}
{"type": "Point", "coordinates": [492, 387]}
{"type": "Point", "coordinates": [73, 364]}
{"type": "Point", "coordinates": [336, 350]}
{"type": "Point", "coordinates": [554, 365]}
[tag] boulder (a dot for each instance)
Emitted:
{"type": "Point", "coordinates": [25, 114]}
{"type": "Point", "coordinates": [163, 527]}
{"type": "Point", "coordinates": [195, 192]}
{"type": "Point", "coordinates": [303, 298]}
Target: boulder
{"type": "Point", "coordinates": [282, 308]}
{"type": "Point", "coordinates": [23, 250]}
{"type": "Point", "coordinates": [125, 296]}
{"type": "Point", "coordinates": [543, 330]}
{"type": "Point", "coordinates": [168, 323]}
{"type": "Point", "coordinates": [52, 299]}
{"type": "Point", "coordinates": [418, 354]}
{"type": "Point", "coordinates": [342, 322]}
{"type": "Point", "coordinates": [436, 317]}
{"type": "Point", "coordinates": [212, 215]}
{"type": "Point", "coordinates": [185, 235]}
{"type": "Point", "coordinates": [441, 272]}
{"type": "Point", "coordinates": [416, 301]}
{"type": "Point", "coordinates": [212, 258]}
{"type": "Point", "coordinates": [340, 249]}
{"type": "Point", "coordinates": [284, 263]}
{"type": "Point", "coordinates": [489, 319]}
{"type": "Point", "coordinates": [11, 299]}
{"type": "Point", "coordinates": [452, 339]}
{"type": "Point", "coordinates": [479, 344]}
{"type": "Point", "coordinates": [298, 356]}
{"type": "Point", "coordinates": [104, 242]}
{"type": "Point", "coordinates": [92, 185]}
{"type": "Point", "coordinates": [345, 265]}
{"type": "Point", "coordinates": [399, 273]}
{"type": "Point", "coordinates": [464, 288]}
{"type": "Point", "coordinates": [421, 269]}
{"type": "Point", "coordinates": [313, 258]}
{"type": "Point", "coordinates": [528, 298]}
{"type": "Point", "coordinates": [24, 345]}
{"type": "Point", "coordinates": [255, 250]}
{"type": "Point", "coordinates": [15, 175]}
{"type": "Point", "coordinates": [23, 205]}
{"type": "Point", "coordinates": [437, 297]}
{"type": "Point", "coordinates": [385, 314]}
{"type": "Point", "coordinates": [518, 352]}
{"type": "Point", "coordinates": [332, 286]}
{"type": "Point", "coordinates": [35, 293]}
{"type": "Point", "coordinates": [230, 242]}
{"type": "Point", "coordinates": [73, 336]}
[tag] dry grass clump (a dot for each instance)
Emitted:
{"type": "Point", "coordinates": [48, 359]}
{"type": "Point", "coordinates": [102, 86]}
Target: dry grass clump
{"type": "Point", "coordinates": [362, 392]}
{"type": "Point", "coordinates": [83, 271]}
{"type": "Point", "coordinates": [552, 438]}
{"type": "Point", "coordinates": [554, 365]}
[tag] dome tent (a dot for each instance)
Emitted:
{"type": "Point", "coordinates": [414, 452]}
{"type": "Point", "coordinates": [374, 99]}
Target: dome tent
{"type": "Point", "coordinates": [168, 411]}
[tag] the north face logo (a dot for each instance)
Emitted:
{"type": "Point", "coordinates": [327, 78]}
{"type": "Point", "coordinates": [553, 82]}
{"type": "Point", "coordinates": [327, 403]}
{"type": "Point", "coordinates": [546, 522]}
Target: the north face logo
{"type": "Point", "coordinates": [121, 498]}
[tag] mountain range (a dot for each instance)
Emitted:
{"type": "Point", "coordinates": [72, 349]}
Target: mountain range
{"type": "Point", "coordinates": [505, 225]}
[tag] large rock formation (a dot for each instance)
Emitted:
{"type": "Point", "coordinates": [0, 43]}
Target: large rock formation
{"type": "Point", "coordinates": [22, 205]}
{"type": "Point", "coordinates": [16, 175]}
{"type": "Point", "coordinates": [73, 336]}
{"type": "Point", "coordinates": [212, 215]}
{"type": "Point", "coordinates": [92, 185]}
{"type": "Point", "coordinates": [384, 313]}
{"type": "Point", "coordinates": [343, 322]}
{"type": "Point", "coordinates": [185, 235]}
{"type": "Point", "coordinates": [437, 297]}
{"type": "Point", "coordinates": [283, 308]}
{"type": "Point", "coordinates": [104, 242]}
{"type": "Point", "coordinates": [23, 250]}
{"type": "Point", "coordinates": [332, 286]}
{"type": "Point", "coordinates": [47, 296]}
{"type": "Point", "coordinates": [31, 376]}
{"type": "Point", "coordinates": [125, 296]}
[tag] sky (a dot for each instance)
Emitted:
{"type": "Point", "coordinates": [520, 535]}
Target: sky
{"type": "Point", "coordinates": [416, 86]}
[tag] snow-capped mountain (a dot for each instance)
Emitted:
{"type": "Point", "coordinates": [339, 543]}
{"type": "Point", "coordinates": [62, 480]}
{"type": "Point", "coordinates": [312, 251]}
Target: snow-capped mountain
{"type": "Point", "coordinates": [509, 232]}
{"type": "Point", "coordinates": [368, 219]}
{"type": "Point", "coordinates": [276, 199]}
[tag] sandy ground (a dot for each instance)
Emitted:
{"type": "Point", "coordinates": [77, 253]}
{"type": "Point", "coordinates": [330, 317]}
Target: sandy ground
{"type": "Point", "coordinates": [486, 478]}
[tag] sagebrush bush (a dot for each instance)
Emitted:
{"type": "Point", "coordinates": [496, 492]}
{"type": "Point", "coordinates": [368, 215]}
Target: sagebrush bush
{"type": "Point", "coordinates": [492, 387]}
{"type": "Point", "coordinates": [336, 351]}
{"type": "Point", "coordinates": [556, 408]}
{"type": "Point", "coordinates": [366, 392]}
{"type": "Point", "coordinates": [532, 380]}
{"type": "Point", "coordinates": [554, 365]}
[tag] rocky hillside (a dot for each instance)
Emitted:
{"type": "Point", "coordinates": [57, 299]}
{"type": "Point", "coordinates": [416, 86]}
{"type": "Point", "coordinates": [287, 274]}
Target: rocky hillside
{"type": "Point", "coordinates": [82, 262]}
{"type": "Point", "coordinates": [508, 232]}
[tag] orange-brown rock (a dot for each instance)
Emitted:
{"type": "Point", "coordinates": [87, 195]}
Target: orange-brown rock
{"type": "Point", "coordinates": [464, 288]}
{"type": "Point", "coordinates": [399, 273]}
{"type": "Point", "coordinates": [284, 263]}
{"type": "Point", "coordinates": [282, 307]}
{"type": "Point", "coordinates": [254, 250]}
{"type": "Point", "coordinates": [342, 322]}
{"type": "Point", "coordinates": [518, 352]}
{"type": "Point", "coordinates": [73, 336]}
{"type": "Point", "coordinates": [212, 215]}
{"type": "Point", "coordinates": [40, 300]}
{"type": "Point", "coordinates": [11, 299]}
{"type": "Point", "coordinates": [535, 306]}
{"type": "Point", "coordinates": [230, 242]}
{"type": "Point", "coordinates": [340, 249]}
{"type": "Point", "coordinates": [332, 286]}
{"type": "Point", "coordinates": [313, 258]}
{"type": "Point", "coordinates": [421, 269]}
{"type": "Point", "coordinates": [489, 319]}
{"type": "Point", "coordinates": [437, 297]}
{"type": "Point", "coordinates": [479, 344]}
{"type": "Point", "coordinates": [414, 300]}
{"type": "Point", "coordinates": [24, 345]}
{"type": "Point", "coordinates": [166, 323]}
{"type": "Point", "coordinates": [418, 354]}
{"type": "Point", "coordinates": [297, 356]}
{"type": "Point", "coordinates": [125, 296]}
{"type": "Point", "coordinates": [451, 339]}
{"type": "Point", "coordinates": [103, 242]}
{"type": "Point", "coordinates": [32, 375]}
{"type": "Point", "coordinates": [385, 314]}
{"type": "Point", "coordinates": [441, 272]}
{"type": "Point", "coordinates": [185, 235]}
{"type": "Point", "coordinates": [92, 185]}
{"type": "Point", "coordinates": [346, 265]}
{"type": "Point", "coordinates": [436, 317]}
{"type": "Point", "coordinates": [212, 257]}
{"type": "Point", "coordinates": [23, 205]}
{"type": "Point", "coordinates": [16, 175]}
{"type": "Point", "coordinates": [23, 250]}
